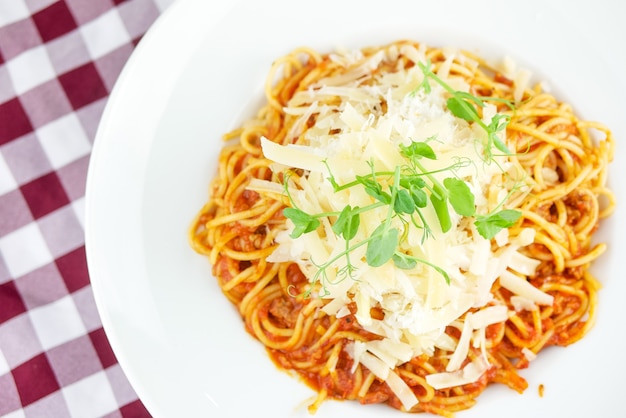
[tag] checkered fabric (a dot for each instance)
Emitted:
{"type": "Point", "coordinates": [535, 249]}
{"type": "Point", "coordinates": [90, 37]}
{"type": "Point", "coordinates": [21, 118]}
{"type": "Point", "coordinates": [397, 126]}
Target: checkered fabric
{"type": "Point", "coordinates": [58, 63]}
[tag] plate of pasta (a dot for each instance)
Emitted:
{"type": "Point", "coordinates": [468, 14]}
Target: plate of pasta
{"type": "Point", "coordinates": [375, 210]}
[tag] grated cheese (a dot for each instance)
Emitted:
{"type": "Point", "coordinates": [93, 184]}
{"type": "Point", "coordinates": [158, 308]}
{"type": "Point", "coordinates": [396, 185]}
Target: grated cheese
{"type": "Point", "coordinates": [529, 354]}
{"type": "Point", "coordinates": [468, 374]}
{"type": "Point", "coordinates": [521, 287]}
{"type": "Point", "coordinates": [417, 303]}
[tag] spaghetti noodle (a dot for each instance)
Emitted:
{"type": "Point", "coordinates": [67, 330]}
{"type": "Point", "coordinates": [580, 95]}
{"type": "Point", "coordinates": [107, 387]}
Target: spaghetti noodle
{"type": "Point", "coordinates": [543, 164]}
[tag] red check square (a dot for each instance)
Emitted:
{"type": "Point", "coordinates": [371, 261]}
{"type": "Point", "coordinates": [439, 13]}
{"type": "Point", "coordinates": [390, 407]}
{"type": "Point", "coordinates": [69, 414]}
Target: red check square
{"type": "Point", "coordinates": [35, 379]}
{"type": "Point", "coordinates": [134, 410]}
{"type": "Point", "coordinates": [83, 85]}
{"type": "Point", "coordinates": [101, 344]}
{"type": "Point", "coordinates": [11, 302]}
{"type": "Point", "coordinates": [54, 21]}
{"type": "Point", "coordinates": [44, 195]}
{"type": "Point", "coordinates": [13, 121]}
{"type": "Point", "coordinates": [73, 269]}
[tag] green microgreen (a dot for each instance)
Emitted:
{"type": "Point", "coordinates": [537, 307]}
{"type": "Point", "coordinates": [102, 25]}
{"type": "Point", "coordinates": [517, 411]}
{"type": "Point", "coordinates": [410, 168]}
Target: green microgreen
{"type": "Point", "coordinates": [461, 197]}
{"type": "Point", "coordinates": [465, 106]}
{"type": "Point", "coordinates": [303, 221]}
{"type": "Point", "coordinates": [403, 261]}
{"type": "Point", "coordinates": [347, 223]}
{"type": "Point", "coordinates": [492, 223]}
{"type": "Point", "coordinates": [382, 245]}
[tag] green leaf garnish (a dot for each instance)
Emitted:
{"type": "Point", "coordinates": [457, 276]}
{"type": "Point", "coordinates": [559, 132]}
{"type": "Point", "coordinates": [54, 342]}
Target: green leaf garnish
{"type": "Point", "coordinates": [303, 222]}
{"type": "Point", "coordinates": [489, 225]}
{"type": "Point", "coordinates": [498, 123]}
{"type": "Point", "coordinates": [462, 108]}
{"type": "Point", "coordinates": [377, 192]}
{"type": "Point", "coordinates": [381, 246]}
{"type": "Point", "coordinates": [403, 261]}
{"type": "Point", "coordinates": [404, 202]}
{"type": "Point", "coordinates": [417, 149]}
{"type": "Point", "coordinates": [460, 195]}
{"type": "Point", "coordinates": [347, 224]}
{"type": "Point", "coordinates": [412, 180]}
{"type": "Point", "coordinates": [419, 197]}
{"type": "Point", "coordinates": [441, 209]}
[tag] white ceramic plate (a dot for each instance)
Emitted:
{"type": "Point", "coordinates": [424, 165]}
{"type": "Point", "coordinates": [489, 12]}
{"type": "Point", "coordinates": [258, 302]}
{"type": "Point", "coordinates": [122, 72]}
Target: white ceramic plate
{"type": "Point", "coordinates": [197, 73]}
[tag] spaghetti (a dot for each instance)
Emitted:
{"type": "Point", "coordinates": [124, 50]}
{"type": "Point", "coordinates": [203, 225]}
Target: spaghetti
{"type": "Point", "coordinates": [547, 166]}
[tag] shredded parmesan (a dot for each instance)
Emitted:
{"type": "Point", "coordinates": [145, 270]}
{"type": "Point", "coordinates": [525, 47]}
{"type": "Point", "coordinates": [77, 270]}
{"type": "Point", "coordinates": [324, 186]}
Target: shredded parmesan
{"type": "Point", "coordinates": [468, 374]}
{"type": "Point", "coordinates": [529, 354]}
{"type": "Point", "coordinates": [521, 287]}
{"type": "Point", "coordinates": [417, 303]}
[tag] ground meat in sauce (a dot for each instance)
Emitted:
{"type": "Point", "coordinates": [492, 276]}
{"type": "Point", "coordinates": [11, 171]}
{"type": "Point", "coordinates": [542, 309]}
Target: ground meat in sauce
{"type": "Point", "coordinates": [283, 312]}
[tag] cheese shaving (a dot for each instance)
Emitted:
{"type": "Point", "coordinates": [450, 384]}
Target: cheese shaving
{"type": "Point", "coordinates": [469, 374]}
{"type": "Point", "coordinates": [417, 303]}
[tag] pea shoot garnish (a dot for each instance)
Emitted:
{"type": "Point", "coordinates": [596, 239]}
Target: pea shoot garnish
{"type": "Point", "coordinates": [464, 105]}
{"type": "Point", "coordinates": [407, 193]}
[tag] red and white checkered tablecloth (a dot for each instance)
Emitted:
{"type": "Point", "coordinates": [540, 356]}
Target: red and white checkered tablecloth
{"type": "Point", "coordinates": [58, 63]}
